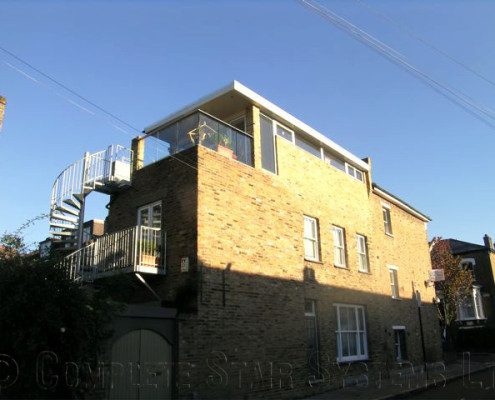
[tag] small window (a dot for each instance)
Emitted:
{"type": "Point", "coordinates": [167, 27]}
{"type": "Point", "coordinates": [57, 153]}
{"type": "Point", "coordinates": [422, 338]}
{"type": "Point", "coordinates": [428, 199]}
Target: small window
{"type": "Point", "coordinates": [339, 247]}
{"type": "Point", "coordinates": [362, 250]}
{"type": "Point", "coordinates": [394, 282]}
{"type": "Point", "coordinates": [387, 221]}
{"type": "Point", "coordinates": [284, 132]}
{"type": "Point", "coordinates": [400, 343]}
{"type": "Point", "coordinates": [311, 250]}
{"type": "Point", "coordinates": [308, 146]}
{"type": "Point", "coordinates": [354, 172]}
{"type": "Point", "coordinates": [335, 162]}
{"type": "Point", "coordinates": [352, 342]}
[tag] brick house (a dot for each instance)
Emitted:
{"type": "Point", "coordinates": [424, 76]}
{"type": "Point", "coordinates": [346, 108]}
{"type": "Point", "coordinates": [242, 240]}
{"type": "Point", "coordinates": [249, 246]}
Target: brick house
{"type": "Point", "coordinates": [477, 311]}
{"type": "Point", "coordinates": [272, 264]}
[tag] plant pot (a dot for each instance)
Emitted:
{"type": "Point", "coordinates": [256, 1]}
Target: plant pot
{"type": "Point", "coordinates": [226, 152]}
{"type": "Point", "coordinates": [150, 260]}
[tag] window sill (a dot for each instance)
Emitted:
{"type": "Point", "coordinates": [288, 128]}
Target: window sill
{"type": "Point", "coordinates": [389, 235]}
{"type": "Point", "coordinates": [364, 272]}
{"type": "Point", "coordinates": [352, 361]}
{"type": "Point", "coordinates": [396, 298]}
{"type": "Point", "coordinates": [313, 261]}
{"type": "Point", "coordinates": [341, 267]}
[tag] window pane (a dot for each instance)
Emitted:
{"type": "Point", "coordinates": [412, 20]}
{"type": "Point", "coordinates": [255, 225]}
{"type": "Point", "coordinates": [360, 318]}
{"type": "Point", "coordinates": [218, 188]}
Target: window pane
{"type": "Point", "coordinates": [309, 147]}
{"type": "Point", "coordinates": [351, 316]}
{"type": "Point", "coordinates": [286, 134]}
{"type": "Point", "coordinates": [309, 228]}
{"type": "Point", "coordinates": [186, 125]}
{"type": "Point", "coordinates": [267, 144]}
{"type": "Point", "coordinates": [157, 216]}
{"type": "Point", "coordinates": [359, 175]}
{"type": "Point", "coordinates": [335, 162]}
{"type": "Point", "coordinates": [309, 249]}
{"type": "Point", "coordinates": [144, 217]}
{"type": "Point", "coordinates": [361, 343]}
{"type": "Point", "coordinates": [345, 344]}
{"type": "Point", "coordinates": [353, 344]}
{"type": "Point", "coordinates": [344, 323]}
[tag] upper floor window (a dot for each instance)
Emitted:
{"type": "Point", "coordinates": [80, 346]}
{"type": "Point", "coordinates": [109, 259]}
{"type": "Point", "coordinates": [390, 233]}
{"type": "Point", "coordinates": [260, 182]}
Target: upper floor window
{"type": "Point", "coordinates": [394, 281]}
{"type": "Point", "coordinates": [354, 172]}
{"type": "Point", "coordinates": [150, 215]}
{"type": "Point", "coordinates": [387, 220]}
{"type": "Point", "coordinates": [362, 250]}
{"type": "Point", "coordinates": [308, 146]}
{"type": "Point", "coordinates": [339, 246]}
{"type": "Point", "coordinates": [268, 151]}
{"type": "Point", "coordinates": [284, 132]}
{"type": "Point", "coordinates": [311, 248]}
{"type": "Point", "coordinates": [352, 342]}
{"type": "Point", "coordinates": [335, 162]}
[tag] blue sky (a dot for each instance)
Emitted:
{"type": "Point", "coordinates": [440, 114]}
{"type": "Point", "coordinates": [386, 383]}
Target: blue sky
{"type": "Point", "coordinates": [143, 60]}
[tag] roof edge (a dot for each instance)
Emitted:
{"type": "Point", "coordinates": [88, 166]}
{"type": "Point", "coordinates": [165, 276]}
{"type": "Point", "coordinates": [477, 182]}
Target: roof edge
{"type": "Point", "coordinates": [400, 203]}
{"type": "Point", "coordinates": [268, 105]}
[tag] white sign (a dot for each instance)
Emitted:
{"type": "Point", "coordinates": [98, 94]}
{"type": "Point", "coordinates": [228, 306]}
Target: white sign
{"type": "Point", "coordinates": [184, 264]}
{"type": "Point", "coordinates": [437, 275]}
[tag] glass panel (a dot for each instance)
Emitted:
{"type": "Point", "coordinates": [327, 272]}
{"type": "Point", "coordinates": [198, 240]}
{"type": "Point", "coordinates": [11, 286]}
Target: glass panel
{"type": "Point", "coordinates": [353, 344]}
{"type": "Point", "coordinates": [361, 343]}
{"type": "Point", "coordinates": [144, 217]}
{"type": "Point", "coordinates": [285, 133]}
{"type": "Point", "coordinates": [345, 344]}
{"type": "Point", "coordinates": [360, 319]}
{"type": "Point", "coordinates": [267, 144]}
{"type": "Point", "coordinates": [157, 216]}
{"type": "Point", "coordinates": [309, 147]}
{"type": "Point", "coordinates": [239, 123]}
{"type": "Point", "coordinates": [344, 323]}
{"type": "Point", "coordinates": [187, 132]}
{"type": "Point", "coordinates": [309, 228]}
{"type": "Point", "coordinates": [168, 136]}
{"type": "Point", "coordinates": [351, 316]}
{"type": "Point", "coordinates": [335, 162]}
{"type": "Point", "coordinates": [359, 175]}
{"type": "Point", "coordinates": [309, 249]}
{"type": "Point", "coordinates": [208, 132]}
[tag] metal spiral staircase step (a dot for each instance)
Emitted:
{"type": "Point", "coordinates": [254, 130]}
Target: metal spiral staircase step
{"type": "Point", "coordinates": [72, 201]}
{"type": "Point", "coordinates": [62, 225]}
{"type": "Point", "coordinates": [68, 210]}
{"type": "Point", "coordinates": [63, 217]}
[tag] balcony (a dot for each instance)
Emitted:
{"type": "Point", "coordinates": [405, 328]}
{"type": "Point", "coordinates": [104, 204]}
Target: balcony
{"type": "Point", "coordinates": [198, 128]}
{"type": "Point", "coordinates": [135, 249]}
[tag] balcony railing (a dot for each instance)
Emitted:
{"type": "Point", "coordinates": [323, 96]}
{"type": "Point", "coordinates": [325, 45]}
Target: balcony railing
{"type": "Point", "coordinates": [198, 128]}
{"type": "Point", "coordinates": [135, 249]}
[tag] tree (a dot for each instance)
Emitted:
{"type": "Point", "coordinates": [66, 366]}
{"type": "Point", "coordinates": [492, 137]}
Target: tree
{"type": "Point", "coordinates": [42, 310]}
{"type": "Point", "coordinates": [456, 287]}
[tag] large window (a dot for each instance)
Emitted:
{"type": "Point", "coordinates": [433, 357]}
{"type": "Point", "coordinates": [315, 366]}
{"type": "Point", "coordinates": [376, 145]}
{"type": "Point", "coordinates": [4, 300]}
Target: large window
{"type": "Point", "coordinates": [150, 215]}
{"type": "Point", "coordinates": [268, 156]}
{"type": "Point", "coordinates": [362, 250]}
{"type": "Point", "coordinates": [387, 220]}
{"type": "Point", "coordinates": [394, 281]}
{"type": "Point", "coordinates": [471, 308]}
{"type": "Point", "coordinates": [351, 333]}
{"type": "Point", "coordinates": [308, 146]}
{"type": "Point", "coordinates": [312, 339]}
{"type": "Point", "coordinates": [339, 247]}
{"type": "Point", "coordinates": [400, 348]}
{"type": "Point", "coordinates": [311, 250]}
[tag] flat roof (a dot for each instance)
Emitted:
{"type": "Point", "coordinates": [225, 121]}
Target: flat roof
{"type": "Point", "coordinates": [265, 104]}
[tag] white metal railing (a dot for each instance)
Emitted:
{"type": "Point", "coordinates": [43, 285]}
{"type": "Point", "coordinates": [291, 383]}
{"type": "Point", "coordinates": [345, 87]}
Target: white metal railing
{"type": "Point", "coordinates": [88, 172]}
{"type": "Point", "coordinates": [139, 248]}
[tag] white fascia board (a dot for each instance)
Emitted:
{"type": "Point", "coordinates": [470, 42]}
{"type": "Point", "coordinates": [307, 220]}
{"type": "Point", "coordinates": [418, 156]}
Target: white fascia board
{"type": "Point", "coordinates": [400, 204]}
{"type": "Point", "coordinates": [191, 107]}
{"type": "Point", "coordinates": [267, 105]}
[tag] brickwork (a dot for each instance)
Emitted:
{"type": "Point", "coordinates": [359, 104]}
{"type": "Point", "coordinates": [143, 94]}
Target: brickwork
{"type": "Point", "coordinates": [242, 229]}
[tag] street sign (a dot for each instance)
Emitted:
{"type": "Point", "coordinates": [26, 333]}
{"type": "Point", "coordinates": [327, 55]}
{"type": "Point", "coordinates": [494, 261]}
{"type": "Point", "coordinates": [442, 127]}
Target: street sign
{"type": "Point", "coordinates": [437, 275]}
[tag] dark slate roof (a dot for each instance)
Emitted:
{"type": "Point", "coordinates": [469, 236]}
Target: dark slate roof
{"type": "Point", "coordinates": [458, 246]}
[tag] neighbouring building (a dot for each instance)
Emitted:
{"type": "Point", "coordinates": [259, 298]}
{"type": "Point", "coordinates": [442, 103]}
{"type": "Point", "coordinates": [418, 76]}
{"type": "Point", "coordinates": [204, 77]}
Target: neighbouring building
{"type": "Point", "coordinates": [477, 311]}
{"type": "Point", "coordinates": [273, 265]}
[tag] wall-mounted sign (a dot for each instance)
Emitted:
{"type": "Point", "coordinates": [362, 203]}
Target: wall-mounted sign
{"type": "Point", "coordinates": [437, 275]}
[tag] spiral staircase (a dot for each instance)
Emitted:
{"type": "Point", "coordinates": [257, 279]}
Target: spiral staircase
{"type": "Point", "coordinates": [106, 171]}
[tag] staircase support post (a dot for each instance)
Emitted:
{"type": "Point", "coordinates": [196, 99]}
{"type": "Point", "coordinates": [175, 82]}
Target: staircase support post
{"type": "Point", "coordinates": [80, 227]}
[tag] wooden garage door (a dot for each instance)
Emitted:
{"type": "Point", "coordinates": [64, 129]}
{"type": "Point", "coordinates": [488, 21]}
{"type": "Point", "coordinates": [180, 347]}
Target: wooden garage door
{"type": "Point", "coordinates": [141, 366]}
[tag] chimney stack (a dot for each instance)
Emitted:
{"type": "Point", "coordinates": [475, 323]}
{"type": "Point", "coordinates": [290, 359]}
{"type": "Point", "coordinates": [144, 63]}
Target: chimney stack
{"type": "Point", "coordinates": [3, 102]}
{"type": "Point", "coordinates": [488, 242]}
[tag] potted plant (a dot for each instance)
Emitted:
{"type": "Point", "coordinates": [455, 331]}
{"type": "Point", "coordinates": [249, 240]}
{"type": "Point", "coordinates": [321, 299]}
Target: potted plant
{"type": "Point", "coordinates": [149, 253]}
{"type": "Point", "coordinates": [224, 146]}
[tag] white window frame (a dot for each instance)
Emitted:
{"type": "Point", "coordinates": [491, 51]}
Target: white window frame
{"type": "Point", "coordinates": [275, 133]}
{"type": "Point", "coordinates": [397, 348]}
{"type": "Point", "coordinates": [476, 301]}
{"type": "Point", "coordinates": [388, 209]}
{"type": "Point", "coordinates": [360, 329]}
{"type": "Point", "coordinates": [393, 272]}
{"type": "Point", "coordinates": [353, 171]}
{"type": "Point", "coordinates": [313, 240]}
{"type": "Point", "coordinates": [339, 247]}
{"type": "Point", "coordinates": [362, 250]}
{"type": "Point", "coordinates": [150, 212]}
